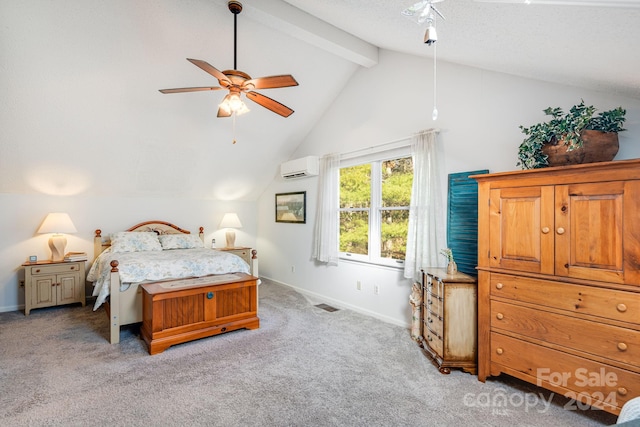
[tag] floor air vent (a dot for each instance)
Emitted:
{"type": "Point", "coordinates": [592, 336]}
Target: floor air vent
{"type": "Point", "coordinates": [327, 307]}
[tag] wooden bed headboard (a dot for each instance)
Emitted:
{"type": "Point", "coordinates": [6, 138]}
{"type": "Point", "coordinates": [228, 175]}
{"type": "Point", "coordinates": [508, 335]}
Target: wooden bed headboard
{"type": "Point", "coordinates": [159, 227]}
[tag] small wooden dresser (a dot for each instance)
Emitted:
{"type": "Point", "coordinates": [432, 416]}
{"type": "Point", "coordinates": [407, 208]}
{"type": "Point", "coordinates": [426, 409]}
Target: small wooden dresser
{"type": "Point", "coordinates": [449, 319]}
{"type": "Point", "coordinates": [559, 280]}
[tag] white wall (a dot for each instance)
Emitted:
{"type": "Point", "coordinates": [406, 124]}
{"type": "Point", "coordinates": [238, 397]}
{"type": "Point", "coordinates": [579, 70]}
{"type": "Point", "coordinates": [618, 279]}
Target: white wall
{"type": "Point", "coordinates": [480, 114]}
{"type": "Point", "coordinates": [21, 216]}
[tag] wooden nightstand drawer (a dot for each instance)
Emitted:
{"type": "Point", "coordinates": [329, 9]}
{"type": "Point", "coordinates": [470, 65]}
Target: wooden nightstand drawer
{"type": "Point", "coordinates": [55, 269]}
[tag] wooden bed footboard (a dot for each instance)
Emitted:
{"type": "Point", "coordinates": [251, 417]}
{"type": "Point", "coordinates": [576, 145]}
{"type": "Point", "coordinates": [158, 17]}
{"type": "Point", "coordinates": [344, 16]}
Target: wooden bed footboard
{"type": "Point", "coordinates": [125, 307]}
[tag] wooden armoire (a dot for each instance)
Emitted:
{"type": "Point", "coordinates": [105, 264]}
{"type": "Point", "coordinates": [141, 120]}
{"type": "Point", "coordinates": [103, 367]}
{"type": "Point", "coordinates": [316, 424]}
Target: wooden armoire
{"type": "Point", "coordinates": [559, 280]}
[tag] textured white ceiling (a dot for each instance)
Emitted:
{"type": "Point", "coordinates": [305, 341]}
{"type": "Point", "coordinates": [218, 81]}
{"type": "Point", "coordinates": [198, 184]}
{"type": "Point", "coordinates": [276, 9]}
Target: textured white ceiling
{"type": "Point", "coordinates": [594, 47]}
{"type": "Point", "coordinates": [81, 112]}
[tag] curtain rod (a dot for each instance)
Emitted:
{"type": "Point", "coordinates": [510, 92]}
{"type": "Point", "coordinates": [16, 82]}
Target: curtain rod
{"type": "Point", "coordinates": [384, 144]}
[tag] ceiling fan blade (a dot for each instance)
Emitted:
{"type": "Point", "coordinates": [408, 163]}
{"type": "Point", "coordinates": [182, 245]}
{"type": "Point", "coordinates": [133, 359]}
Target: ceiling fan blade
{"type": "Point", "coordinates": [270, 82]}
{"type": "Point", "coordinates": [189, 89]}
{"type": "Point", "coordinates": [270, 104]}
{"type": "Point", "coordinates": [417, 7]}
{"type": "Point", "coordinates": [211, 70]}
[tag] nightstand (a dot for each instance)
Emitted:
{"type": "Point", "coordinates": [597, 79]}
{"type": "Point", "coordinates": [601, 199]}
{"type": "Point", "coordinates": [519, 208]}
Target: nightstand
{"type": "Point", "coordinates": [49, 283]}
{"type": "Point", "coordinates": [242, 252]}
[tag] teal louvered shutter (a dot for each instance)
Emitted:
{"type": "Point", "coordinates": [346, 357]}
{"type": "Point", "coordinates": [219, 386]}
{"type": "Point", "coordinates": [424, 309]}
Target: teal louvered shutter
{"type": "Point", "coordinates": [462, 220]}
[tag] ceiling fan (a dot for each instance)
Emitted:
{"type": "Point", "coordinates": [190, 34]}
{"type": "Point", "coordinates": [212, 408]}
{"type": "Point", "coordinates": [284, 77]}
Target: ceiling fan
{"type": "Point", "coordinates": [238, 82]}
{"type": "Point", "coordinates": [421, 11]}
{"type": "Point", "coordinates": [594, 3]}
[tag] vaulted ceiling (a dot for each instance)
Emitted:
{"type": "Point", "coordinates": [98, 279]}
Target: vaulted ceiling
{"type": "Point", "coordinates": [81, 112]}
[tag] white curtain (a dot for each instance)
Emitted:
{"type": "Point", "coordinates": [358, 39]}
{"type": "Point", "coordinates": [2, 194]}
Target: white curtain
{"type": "Point", "coordinates": [427, 214]}
{"type": "Point", "coordinates": [325, 244]}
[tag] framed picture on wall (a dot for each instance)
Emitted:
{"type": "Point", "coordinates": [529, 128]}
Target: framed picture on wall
{"type": "Point", "coordinates": [291, 207]}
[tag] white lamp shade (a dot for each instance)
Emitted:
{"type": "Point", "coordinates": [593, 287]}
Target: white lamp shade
{"type": "Point", "coordinates": [230, 220]}
{"type": "Point", "coordinates": [58, 222]}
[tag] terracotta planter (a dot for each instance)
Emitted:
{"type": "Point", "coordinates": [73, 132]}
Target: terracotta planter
{"type": "Point", "coordinates": [598, 147]}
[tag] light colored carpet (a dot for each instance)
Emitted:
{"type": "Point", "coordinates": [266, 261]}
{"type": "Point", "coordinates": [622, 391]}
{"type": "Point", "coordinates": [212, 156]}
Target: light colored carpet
{"type": "Point", "coordinates": [304, 367]}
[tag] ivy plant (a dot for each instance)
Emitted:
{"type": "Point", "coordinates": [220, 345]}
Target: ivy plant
{"type": "Point", "coordinates": [566, 129]}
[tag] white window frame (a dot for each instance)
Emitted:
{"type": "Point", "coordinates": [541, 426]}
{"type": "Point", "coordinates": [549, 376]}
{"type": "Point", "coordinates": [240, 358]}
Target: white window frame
{"type": "Point", "coordinates": [375, 209]}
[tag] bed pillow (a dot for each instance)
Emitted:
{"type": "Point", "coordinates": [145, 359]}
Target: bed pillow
{"type": "Point", "coordinates": [180, 241]}
{"type": "Point", "coordinates": [135, 241]}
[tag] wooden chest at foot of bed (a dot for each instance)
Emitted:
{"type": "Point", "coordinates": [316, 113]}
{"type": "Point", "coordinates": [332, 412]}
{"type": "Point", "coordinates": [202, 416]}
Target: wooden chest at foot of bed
{"type": "Point", "coordinates": [178, 311]}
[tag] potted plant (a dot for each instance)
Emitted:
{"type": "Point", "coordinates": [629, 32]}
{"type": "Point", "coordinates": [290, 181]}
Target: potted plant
{"type": "Point", "coordinates": [452, 267]}
{"type": "Point", "coordinates": [568, 138]}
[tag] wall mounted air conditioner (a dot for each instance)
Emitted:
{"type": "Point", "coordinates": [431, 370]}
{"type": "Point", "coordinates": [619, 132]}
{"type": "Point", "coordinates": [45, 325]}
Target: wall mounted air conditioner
{"type": "Point", "coordinates": [300, 168]}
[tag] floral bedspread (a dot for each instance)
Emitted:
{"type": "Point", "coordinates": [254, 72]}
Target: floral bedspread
{"type": "Point", "coordinates": [148, 266]}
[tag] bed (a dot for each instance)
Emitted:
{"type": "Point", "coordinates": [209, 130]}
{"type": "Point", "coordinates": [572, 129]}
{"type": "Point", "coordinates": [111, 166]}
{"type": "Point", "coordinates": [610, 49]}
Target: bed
{"type": "Point", "coordinates": [152, 251]}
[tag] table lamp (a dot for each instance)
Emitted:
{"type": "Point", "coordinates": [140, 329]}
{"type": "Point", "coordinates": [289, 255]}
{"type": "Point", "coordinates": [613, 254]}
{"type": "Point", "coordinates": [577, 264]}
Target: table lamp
{"type": "Point", "coordinates": [57, 223]}
{"type": "Point", "coordinates": [230, 221]}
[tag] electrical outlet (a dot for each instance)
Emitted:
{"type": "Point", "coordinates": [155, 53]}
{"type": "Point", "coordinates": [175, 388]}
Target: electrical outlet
{"type": "Point", "coordinates": [376, 289]}
{"type": "Point", "coordinates": [22, 283]}
{"type": "Point", "coordinates": [359, 285]}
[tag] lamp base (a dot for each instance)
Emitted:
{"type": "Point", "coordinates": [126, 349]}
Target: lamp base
{"type": "Point", "coordinates": [57, 244]}
{"type": "Point", "coordinates": [231, 239]}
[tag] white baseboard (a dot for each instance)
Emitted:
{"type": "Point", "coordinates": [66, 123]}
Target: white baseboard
{"type": "Point", "coordinates": [341, 304]}
{"type": "Point", "coordinates": [11, 308]}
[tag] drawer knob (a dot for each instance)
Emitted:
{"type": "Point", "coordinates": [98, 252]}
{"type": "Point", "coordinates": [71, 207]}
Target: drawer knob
{"type": "Point", "coordinates": [73, 267]}
{"type": "Point", "coordinates": [499, 316]}
{"type": "Point", "coordinates": [499, 350]}
{"type": "Point", "coordinates": [210, 295]}
{"type": "Point", "coordinates": [622, 346]}
{"type": "Point", "coordinates": [560, 230]}
{"type": "Point", "coordinates": [499, 285]}
{"type": "Point", "coordinates": [621, 307]}
{"type": "Point", "coordinates": [38, 271]}
{"type": "Point", "coordinates": [622, 391]}
{"type": "Point", "coordinates": [545, 230]}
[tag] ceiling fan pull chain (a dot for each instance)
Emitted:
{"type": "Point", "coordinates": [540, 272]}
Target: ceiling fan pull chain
{"type": "Point", "coordinates": [434, 114]}
{"type": "Point", "coordinates": [234, 128]}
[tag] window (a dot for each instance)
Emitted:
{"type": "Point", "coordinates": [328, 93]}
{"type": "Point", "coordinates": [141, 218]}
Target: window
{"type": "Point", "coordinates": [374, 210]}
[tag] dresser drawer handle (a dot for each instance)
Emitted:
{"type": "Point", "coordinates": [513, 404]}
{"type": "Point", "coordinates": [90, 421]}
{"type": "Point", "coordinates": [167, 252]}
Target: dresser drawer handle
{"type": "Point", "coordinates": [622, 391]}
{"type": "Point", "coordinates": [499, 316]}
{"type": "Point", "coordinates": [499, 350]}
{"type": "Point", "coordinates": [560, 230]}
{"type": "Point", "coordinates": [38, 271]}
{"type": "Point", "coordinates": [622, 346]}
{"type": "Point", "coordinates": [621, 307]}
{"type": "Point", "coordinates": [545, 230]}
{"type": "Point", "coordinates": [499, 285]}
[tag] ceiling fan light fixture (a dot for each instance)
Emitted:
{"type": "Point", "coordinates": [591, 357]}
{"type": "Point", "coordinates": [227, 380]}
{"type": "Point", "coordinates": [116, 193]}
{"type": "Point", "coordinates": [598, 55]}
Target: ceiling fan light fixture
{"type": "Point", "coordinates": [233, 104]}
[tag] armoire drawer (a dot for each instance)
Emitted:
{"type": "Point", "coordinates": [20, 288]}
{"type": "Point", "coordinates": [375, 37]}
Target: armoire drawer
{"type": "Point", "coordinates": [598, 384]}
{"type": "Point", "coordinates": [611, 342]}
{"type": "Point", "coordinates": [601, 302]}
